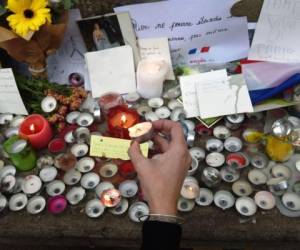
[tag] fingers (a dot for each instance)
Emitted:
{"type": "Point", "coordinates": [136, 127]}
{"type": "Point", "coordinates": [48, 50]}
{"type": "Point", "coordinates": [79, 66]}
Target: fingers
{"type": "Point", "coordinates": [162, 143]}
{"type": "Point", "coordinates": [173, 128]}
{"type": "Point", "coordinates": [136, 155]}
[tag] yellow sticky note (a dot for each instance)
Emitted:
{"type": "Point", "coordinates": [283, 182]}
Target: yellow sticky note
{"type": "Point", "coordinates": [113, 148]}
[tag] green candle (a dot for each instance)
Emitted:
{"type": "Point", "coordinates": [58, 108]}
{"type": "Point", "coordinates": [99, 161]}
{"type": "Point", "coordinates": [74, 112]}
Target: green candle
{"type": "Point", "coordinates": [20, 153]}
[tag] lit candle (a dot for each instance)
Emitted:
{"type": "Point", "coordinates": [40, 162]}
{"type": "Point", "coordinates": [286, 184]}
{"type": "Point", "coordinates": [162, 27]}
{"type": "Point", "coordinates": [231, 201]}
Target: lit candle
{"type": "Point", "coordinates": [141, 131]}
{"type": "Point", "coordinates": [111, 197]}
{"type": "Point", "coordinates": [119, 119]}
{"type": "Point", "coordinates": [190, 188]}
{"type": "Point", "coordinates": [151, 74]}
{"type": "Point", "coordinates": [36, 129]}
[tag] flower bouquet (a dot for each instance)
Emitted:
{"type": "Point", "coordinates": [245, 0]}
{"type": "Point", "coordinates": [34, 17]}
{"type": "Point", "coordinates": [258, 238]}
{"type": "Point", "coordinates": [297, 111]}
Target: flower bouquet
{"type": "Point", "coordinates": [32, 29]}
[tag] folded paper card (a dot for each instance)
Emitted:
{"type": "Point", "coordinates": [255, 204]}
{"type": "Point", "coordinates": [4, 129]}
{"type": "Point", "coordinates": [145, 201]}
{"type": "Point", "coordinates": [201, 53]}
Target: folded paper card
{"type": "Point", "coordinates": [111, 70]}
{"type": "Point", "coordinates": [157, 48]}
{"type": "Point", "coordinates": [113, 148]}
{"type": "Point", "coordinates": [217, 95]}
{"type": "Point", "coordinates": [10, 99]}
{"type": "Point", "coordinates": [277, 35]}
{"type": "Point", "coordinates": [198, 31]}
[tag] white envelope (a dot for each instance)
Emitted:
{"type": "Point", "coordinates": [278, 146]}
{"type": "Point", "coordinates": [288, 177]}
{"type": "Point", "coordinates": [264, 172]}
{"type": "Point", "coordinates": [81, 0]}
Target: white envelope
{"type": "Point", "coordinates": [111, 70]}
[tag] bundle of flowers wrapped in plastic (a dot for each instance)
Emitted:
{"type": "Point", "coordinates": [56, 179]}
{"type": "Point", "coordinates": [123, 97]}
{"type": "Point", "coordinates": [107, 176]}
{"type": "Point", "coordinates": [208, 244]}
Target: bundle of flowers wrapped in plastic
{"type": "Point", "coordinates": [32, 29]}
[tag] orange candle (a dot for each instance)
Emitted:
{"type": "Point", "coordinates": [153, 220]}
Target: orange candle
{"type": "Point", "coordinates": [119, 119]}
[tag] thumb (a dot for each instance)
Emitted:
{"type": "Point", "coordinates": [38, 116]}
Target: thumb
{"type": "Point", "coordinates": [136, 155]}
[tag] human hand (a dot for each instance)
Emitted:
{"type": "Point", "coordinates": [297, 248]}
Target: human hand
{"type": "Point", "coordinates": [162, 176]}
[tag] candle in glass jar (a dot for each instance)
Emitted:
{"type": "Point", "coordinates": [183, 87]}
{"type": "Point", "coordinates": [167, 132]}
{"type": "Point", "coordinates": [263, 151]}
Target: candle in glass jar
{"type": "Point", "coordinates": [37, 130]}
{"type": "Point", "coordinates": [190, 188]}
{"type": "Point", "coordinates": [151, 74]}
{"type": "Point", "coordinates": [119, 119]}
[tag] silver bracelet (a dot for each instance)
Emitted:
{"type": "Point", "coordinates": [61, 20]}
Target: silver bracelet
{"type": "Point", "coordinates": [162, 218]}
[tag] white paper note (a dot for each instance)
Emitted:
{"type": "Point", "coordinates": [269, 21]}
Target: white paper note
{"type": "Point", "coordinates": [198, 31]}
{"type": "Point", "coordinates": [217, 96]}
{"type": "Point", "coordinates": [157, 48]}
{"type": "Point", "coordinates": [111, 70]}
{"type": "Point", "coordinates": [10, 99]}
{"type": "Point", "coordinates": [277, 35]}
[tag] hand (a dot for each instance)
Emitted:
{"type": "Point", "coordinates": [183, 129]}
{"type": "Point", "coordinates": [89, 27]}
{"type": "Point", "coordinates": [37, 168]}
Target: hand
{"type": "Point", "coordinates": [162, 176]}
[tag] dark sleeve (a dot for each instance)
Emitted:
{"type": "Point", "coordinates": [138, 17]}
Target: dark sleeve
{"type": "Point", "coordinates": [161, 236]}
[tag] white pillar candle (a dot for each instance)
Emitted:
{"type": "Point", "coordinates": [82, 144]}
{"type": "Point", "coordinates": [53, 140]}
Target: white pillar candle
{"type": "Point", "coordinates": [151, 74]}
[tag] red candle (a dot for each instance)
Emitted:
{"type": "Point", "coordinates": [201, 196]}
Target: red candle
{"type": "Point", "coordinates": [37, 130]}
{"type": "Point", "coordinates": [119, 119]}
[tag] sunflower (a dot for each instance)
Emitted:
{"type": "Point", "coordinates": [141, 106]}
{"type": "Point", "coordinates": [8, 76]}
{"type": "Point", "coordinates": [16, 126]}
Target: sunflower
{"type": "Point", "coordinates": [28, 15]}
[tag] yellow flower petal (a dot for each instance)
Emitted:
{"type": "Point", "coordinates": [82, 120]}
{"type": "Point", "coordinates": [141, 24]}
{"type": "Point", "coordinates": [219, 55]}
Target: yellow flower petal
{"type": "Point", "coordinates": [18, 6]}
{"type": "Point", "coordinates": [38, 4]}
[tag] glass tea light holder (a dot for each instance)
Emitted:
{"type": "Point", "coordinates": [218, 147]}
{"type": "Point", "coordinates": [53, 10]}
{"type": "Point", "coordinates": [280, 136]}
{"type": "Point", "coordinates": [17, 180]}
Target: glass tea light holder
{"type": "Point", "coordinates": [120, 119]}
{"type": "Point", "coordinates": [37, 130]}
{"type": "Point", "coordinates": [21, 153]}
{"type": "Point", "coordinates": [110, 100]}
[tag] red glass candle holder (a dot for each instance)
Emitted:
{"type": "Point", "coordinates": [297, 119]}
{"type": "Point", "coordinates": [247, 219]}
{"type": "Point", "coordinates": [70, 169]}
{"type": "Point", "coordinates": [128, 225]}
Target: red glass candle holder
{"type": "Point", "coordinates": [119, 119]}
{"type": "Point", "coordinates": [127, 170]}
{"type": "Point", "coordinates": [37, 130]}
{"type": "Point", "coordinates": [110, 100]}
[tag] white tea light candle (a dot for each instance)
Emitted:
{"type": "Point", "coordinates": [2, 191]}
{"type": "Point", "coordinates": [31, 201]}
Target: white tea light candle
{"type": "Point", "coordinates": [151, 74]}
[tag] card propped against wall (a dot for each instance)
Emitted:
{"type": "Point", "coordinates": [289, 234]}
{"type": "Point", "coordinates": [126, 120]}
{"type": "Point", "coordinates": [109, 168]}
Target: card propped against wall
{"type": "Point", "coordinates": [111, 70]}
{"type": "Point", "coordinates": [217, 95]}
{"type": "Point", "coordinates": [157, 48]}
{"type": "Point", "coordinates": [10, 99]}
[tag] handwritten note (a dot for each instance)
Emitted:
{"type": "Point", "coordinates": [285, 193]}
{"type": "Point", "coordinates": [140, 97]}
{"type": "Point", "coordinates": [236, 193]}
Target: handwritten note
{"type": "Point", "coordinates": [10, 99]}
{"type": "Point", "coordinates": [157, 48]}
{"type": "Point", "coordinates": [113, 148]}
{"type": "Point", "coordinates": [218, 96]}
{"type": "Point", "coordinates": [198, 31]}
{"type": "Point", "coordinates": [277, 36]}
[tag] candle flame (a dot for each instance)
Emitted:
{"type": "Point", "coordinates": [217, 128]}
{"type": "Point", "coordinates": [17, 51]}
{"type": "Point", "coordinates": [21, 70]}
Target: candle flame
{"type": "Point", "coordinates": [123, 119]}
{"type": "Point", "coordinates": [32, 128]}
{"type": "Point", "coordinates": [190, 188]}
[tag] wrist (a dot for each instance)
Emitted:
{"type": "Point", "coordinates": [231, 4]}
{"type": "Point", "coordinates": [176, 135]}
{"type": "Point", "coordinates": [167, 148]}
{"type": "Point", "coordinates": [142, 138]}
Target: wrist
{"type": "Point", "coordinates": [164, 209]}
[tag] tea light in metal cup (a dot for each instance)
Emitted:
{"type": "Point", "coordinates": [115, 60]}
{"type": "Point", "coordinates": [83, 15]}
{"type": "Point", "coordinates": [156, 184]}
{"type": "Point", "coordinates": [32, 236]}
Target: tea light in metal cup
{"type": "Point", "coordinates": [57, 204]}
{"type": "Point", "coordinates": [237, 160]}
{"type": "Point", "coordinates": [141, 131]}
{"type": "Point", "coordinates": [75, 195]}
{"type": "Point", "coordinates": [215, 159]}
{"type": "Point", "coordinates": [132, 98]}
{"type": "Point", "coordinates": [221, 132]}
{"type": "Point", "coordinates": [190, 125]}
{"type": "Point", "coordinates": [211, 177]}
{"type": "Point", "coordinates": [94, 208]}
{"type": "Point", "coordinates": [151, 116]}
{"type": "Point", "coordinates": [48, 104]}
{"type": "Point", "coordinates": [3, 202]}
{"type": "Point", "coordinates": [111, 197]}
{"type": "Point", "coordinates": [108, 170]}
{"type": "Point", "coordinates": [214, 145]}
{"type": "Point", "coordinates": [190, 188]}
{"type": "Point", "coordinates": [85, 119]}
{"type": "Point", "coordinates": [202, 130]}
{"type": "Point", "coordinates": [6, 118]}
{"type": "Point", "coordinates": [48, 174]}
{"type": "Point", "coordinates": [76, 79]}
{"type": "Point", "coordinates": [257, 177]}
{"type": "Point", "coordinates": [90, 180]}
{"type": "Point", "coordinates": [72, 177]}
{"type": "Point", "coordinates": [280, 170]}
{"type": "Point", "coordinates": [229, 175]}
{"type": "Point", "coordinates": [128, 188]}
{"type": "Point", "coordinates": [17, 202]}
{"type": "Point", "coordinates": [85, 164]}
{"type": "Point", "coordinates": [36, 205]}
{"type": "Point", "coordinates": [17, 121]}
{"type": "Point", "coordinates": [242, 188]}
{"type": "Point", "coordinates": [277, 185]}
{"type": "Point", "coordinates": [155, 102]}
{"type": "Point", "coordinates": [178, 114]}
{"type": "Point", "coordinates": [291, 201]}
{"type": "Point", "coordinates": [56, 187]}
{"type": "Point", "coordinates": [82, 134]}
{"type": "Point", "coordinates": [143, 110]}
{"type": "Point", "coordinates": [233, 144]}
{"type": "Point", "coordinates": [69, 137]}
{"type": "Point", "coordinates": [224, 199]}
{"type": "Point", "coordinates": [194, 167]}
{"type": "Point", "coordinates": [259, 160]}
{"type": "Point", "coordinates": [79, 150]}
{"type": "Point", "coordinates": [234, 121]}
{"type": "Point", "coordinates": [265, 200]}
{"type": "Point", "coordinates": [45, 161]}
{"type": "Point", "coordinates": [138, 211]}
{"type": "Point", "coordinates": [163, 112]}
{"type": "Point", "coordinates": [72, 117]}
{"type": "Point", "coordinates": [205, 197]}
{"type": "Point", "coordinates": [198, 153]}
{"type": "Point", "coordinates": [8, 170]}
{"type": "Point", "coordinates": [7, 183]}
{"type": "Point", "coordinates": [172, 93]}
{"type": "Point", "coordinates": [185, 205]}
{"type": "Point", "coordinates": [56, 145]}
{"type": "Point", "coordinates": [31, 184]}
{"type": "Point", "coordinates": [121, 208]}
{"type": "Point", "coordinates": [173, 104]}
{"type": "Point", "coordinates": [65, 161]}
{"type": "Point", "coordinates": [246, 206]}
{"type": "Point", "coordinates": [282, 128]}
{"type": "Point", "coordinates": [105, 185]}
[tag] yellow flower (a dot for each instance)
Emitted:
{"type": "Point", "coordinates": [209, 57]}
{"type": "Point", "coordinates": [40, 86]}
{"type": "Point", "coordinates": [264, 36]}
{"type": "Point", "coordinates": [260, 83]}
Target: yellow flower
{"type": "Point", "coordinates": [29, 15]}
